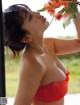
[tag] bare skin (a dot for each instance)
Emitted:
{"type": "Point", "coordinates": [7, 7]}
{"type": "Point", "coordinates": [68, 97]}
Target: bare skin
{"type": "Point", "coordinates": [53, 71]}
{"type": "Point", "coordinates": [39, 63]}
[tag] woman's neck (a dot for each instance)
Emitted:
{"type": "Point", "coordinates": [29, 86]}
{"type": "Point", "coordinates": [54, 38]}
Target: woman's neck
{"type": "Point", "coordinates": [38, 48]}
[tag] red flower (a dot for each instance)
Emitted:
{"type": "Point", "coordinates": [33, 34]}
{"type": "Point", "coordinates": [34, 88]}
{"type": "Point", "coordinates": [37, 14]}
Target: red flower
{"type": "Point", "coordinates": [64, 3]}
{"type": "Point", "coordinates": [51, 12]}
{"type": "Point", "coordinates": [65, 7]}
{"type": "Point", "coordinates": [59, 15]}
{"type": "Point", "coordinates": [47, 6]}
{"type": "Point", "coordinates": [57, 5]}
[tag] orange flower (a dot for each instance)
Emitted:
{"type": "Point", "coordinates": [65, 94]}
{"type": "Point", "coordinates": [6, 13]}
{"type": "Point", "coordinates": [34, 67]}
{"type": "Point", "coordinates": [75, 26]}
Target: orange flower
{"type": "Point", "coordinates": [51, 12]}
{"type": "Point", "coordinates": [66, 10]}
{"type": "Point", "coordinates": [57, 5]}
{"type": "Point", "coordinates": [58, 15]}
{"type": "Point", "coordinates": [50, 8]}
{"type": "Point", "coordinates": [64, 3]}
{"type": "Point", "coordinates": [47, 6]}
{"type": "Point", "coordinates": [53, 1]}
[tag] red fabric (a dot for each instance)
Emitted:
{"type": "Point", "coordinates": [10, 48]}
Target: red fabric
{"type": "Point", "coordinates": [53, 91]}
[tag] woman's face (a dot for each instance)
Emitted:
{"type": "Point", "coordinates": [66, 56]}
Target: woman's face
{"type": "Point", "coordinates": [35, 23]}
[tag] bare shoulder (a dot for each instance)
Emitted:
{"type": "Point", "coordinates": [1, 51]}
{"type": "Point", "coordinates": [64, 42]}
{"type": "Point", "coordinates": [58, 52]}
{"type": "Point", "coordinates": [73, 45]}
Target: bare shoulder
{"type": "Point", "coordinates": [31, 67]}
{"type": "Point", "coordinates": [29, 82]}
{"type": "Point", "coordinates": [48, 42]}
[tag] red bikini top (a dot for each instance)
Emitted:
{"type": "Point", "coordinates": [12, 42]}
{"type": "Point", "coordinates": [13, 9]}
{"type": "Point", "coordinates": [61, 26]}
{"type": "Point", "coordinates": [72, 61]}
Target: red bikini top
{"type": "Point", "coordinates": [53, 91]}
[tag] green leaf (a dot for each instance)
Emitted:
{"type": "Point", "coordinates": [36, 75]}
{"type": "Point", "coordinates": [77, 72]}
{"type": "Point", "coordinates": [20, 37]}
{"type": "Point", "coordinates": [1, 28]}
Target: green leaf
{"type": "Point", "coordinates": [67, 21]}
{"type": "Point", "coordinates": [70, 6]}
{"type": "Point", "coordinates": [63, 25]}
{"type": "Point", "coordinates": [72, 16]}
{"type": "Point", "coordinates": [74, 13]}
{"type": "Point", "coordinates": [75, 8]}
{"type": "Point", "coordinates": [63, 9]}
{"type": "Point", "coordinates": [41, 10]}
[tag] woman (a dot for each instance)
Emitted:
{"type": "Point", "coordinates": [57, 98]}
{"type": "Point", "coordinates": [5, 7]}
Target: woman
{"type": "Point", "coordinates": [43, 78]}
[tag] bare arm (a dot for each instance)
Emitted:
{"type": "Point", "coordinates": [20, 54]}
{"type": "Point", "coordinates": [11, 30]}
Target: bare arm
{"type": "Point", "coordinates": [65, 46]}
{"type": "Point", "coordinates": [62, 46]}
{"type": "Point", "coordinates": [77, 24]}
{"type": "Point", "coordinates": [28, 84]}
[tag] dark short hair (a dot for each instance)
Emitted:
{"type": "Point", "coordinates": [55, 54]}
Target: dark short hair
{"type": "Point", "coordinates": [13, 19]}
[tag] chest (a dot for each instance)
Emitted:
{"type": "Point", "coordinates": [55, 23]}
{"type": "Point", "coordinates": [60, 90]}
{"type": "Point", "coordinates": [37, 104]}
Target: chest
{"type": "Point", "coordinates": [53, 73]}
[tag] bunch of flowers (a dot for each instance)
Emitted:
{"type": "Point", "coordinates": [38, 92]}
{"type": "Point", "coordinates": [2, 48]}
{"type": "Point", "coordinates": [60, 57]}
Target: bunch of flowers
{"type": "Point", "coordinates": [66, 9]}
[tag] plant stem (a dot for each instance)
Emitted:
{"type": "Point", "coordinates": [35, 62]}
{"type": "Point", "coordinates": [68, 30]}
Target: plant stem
{"type": "Point", "coordinates": [51, 20]}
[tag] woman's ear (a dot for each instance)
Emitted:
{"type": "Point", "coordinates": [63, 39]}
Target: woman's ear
{"type": "Point", "coordinates": [26, 39]}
